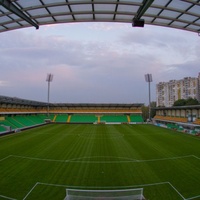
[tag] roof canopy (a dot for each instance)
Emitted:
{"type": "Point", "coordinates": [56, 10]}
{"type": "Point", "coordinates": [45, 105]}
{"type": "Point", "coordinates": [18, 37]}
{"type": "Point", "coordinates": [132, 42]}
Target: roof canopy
{"type": "Point", "coordinates": [181, 14]}
{"type": "Point", "coordinates": [18, 101]}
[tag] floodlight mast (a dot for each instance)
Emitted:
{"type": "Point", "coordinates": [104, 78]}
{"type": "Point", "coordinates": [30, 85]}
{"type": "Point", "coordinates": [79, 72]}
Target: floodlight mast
{"type": "Point", "coordinates": [49, 79]}
{"type": "Point", "coordinates": [148, 79]}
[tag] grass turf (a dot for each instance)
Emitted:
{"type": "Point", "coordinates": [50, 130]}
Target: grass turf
{"type": "Point", "coordinates": [41, 163]}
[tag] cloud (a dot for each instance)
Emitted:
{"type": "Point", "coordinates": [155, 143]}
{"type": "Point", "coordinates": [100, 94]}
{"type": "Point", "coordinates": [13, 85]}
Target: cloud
{"type": "Point", "coordinates": [4, 83]}
{"type": "Point", "coordinates": [107, 26]}
{"type": "Point", "coordinates": [98, 62]}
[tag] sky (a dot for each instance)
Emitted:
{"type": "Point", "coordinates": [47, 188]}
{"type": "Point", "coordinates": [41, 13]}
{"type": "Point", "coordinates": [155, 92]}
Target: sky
{"type": "Point", "coordinates": [94, 62]}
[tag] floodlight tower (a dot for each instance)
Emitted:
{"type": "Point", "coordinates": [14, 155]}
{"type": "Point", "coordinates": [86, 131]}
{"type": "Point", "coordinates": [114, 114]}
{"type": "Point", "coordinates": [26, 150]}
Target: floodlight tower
{"type": "Point", "coordinates": [148, 79]}
{"type": "Point", "coordinates": [49, 79]}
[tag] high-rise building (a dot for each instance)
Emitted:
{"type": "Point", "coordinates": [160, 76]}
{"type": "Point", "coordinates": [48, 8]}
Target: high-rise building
{"type": "Point", "coordinates": [169, 92]}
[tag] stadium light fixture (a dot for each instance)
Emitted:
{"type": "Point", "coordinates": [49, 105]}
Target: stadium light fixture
{"type": "Point", "coordinates": [49, 79]}
{"type": "Point", "coordinates": [148, 79]}
{"type": "Point", "coordinates": [138, 23]}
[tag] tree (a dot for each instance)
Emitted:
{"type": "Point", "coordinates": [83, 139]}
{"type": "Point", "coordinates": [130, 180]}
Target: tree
{"type": "Point", "coordinates": [153, 111]}
{"type": "Point", "coordinates": [186, 102]}
{"type": "Point", "coordinates": [180, 102]}
{"type": "Point", "coordinates": [145, 111]}
{"type": "Point", "coordinates": [191, 101]}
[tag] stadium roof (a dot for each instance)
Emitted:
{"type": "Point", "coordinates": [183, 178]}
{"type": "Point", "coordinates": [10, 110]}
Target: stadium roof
{"type": "Point", "coordinates": [188, 107]}
{"type": "Point", "coordinates": [99, 105]}
{"type": "Point", "coordinates": [18, 101]}
{"type": "Point", "coordinates": [181, 14]}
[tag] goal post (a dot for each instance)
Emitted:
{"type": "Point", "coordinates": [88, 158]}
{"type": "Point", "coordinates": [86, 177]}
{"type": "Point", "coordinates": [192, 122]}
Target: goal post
{"type": "Point", "coordinates": [126, 194]}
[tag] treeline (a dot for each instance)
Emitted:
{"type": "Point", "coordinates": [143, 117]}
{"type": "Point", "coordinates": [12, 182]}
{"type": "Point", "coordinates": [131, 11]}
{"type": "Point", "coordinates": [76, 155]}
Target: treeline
{"type": "Point", "coordinates": [186, 102]}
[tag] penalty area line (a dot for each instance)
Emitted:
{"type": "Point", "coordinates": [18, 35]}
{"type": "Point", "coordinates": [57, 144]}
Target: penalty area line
{"type": "Point", "coordinates": [5, 158]}
{"type": "Point", "coordinates": [30, 191]}
{"type": "Point", "coordinates": [5, 197]}
{"type": "Point", "coordinates": [162, 183]}
{"type": "Point", "coordinates": [196, 157]}
{"type": "Point", "coordinates": [177, 191]}
{"type": "Point", "coordinates": [116, 187]}
{"type": "Point", "coordinates": [193, 197]}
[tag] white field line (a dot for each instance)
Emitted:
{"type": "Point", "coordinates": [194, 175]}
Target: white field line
{"type": "Point", "coordinates": [50, 184]}
{"type": "Point", "coordinates": [92, 188]}
{"type": "Point", "coordinates": [39, 159]}
{"type": "Point", "coordinates": [170, 158]}
{"type": "Point", "coordinates": [30, 191]}
{"type": "Point", "coordinates": [77, 160]}
{"type": "Point", "coordinates": [47, 184]}
{"type": "Point", "coordinates": [177, 191]}
{"type": "Point", "coordinates": [193, 197]}
{"type": "Point", "coordinates": [84, 159]}
{"type": "Point", "coordinates": [103, 187]}
{"type": "Point", "coordinates": [5, 158]}
{"type": "Point", "coordinates": [4, 197]}
{"type": "Point", "coordinates": [196, 157]}
{"type": "Point", "coordinates": [118, 187]}
{"type": "Point", "coordinates": [121, 187]}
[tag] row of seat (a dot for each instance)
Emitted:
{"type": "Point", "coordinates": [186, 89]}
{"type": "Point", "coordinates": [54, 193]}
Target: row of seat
{"type": "Point", "coordinates": [21, 121]}
{"type": "Point", "coordinates": [63, 110]}
{"type": "Point", "coordinates": [81, 118]}
{"type": "Point", "coordinates": [19, 110]}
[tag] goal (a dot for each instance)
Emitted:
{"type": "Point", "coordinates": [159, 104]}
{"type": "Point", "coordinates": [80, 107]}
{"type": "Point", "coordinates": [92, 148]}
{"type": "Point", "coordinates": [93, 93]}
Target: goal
{"type": "Point", "coordinates": [128, 194]}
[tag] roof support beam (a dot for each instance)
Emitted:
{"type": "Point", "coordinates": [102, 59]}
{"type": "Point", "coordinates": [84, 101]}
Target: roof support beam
{"type": "Point", "coordinates": [143, 8]}
{"type": "Point", "coordinates": [14, 9]}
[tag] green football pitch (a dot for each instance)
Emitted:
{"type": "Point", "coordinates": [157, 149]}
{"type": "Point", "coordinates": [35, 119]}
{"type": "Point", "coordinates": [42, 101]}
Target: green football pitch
{"type": "Point", "coordinates": [43, 162]}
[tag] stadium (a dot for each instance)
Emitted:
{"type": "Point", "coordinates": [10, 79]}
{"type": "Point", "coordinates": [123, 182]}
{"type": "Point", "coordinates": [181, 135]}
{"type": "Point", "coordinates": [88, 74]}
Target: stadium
{"type": "Point", "coordinates": [98, 150]}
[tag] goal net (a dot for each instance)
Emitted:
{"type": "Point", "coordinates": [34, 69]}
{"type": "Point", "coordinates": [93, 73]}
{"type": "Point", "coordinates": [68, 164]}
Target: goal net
{"type": "Point", "coordinates": [128, 194]}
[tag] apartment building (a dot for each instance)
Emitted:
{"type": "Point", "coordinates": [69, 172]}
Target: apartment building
{"type": "Point", "coordinates": [169, 92]}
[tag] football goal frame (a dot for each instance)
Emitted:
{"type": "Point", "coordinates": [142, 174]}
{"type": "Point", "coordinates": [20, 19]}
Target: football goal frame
{"type": "Point", "coordinates": [125, 194]}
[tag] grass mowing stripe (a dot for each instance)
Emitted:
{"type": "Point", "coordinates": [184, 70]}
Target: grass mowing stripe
{"type": "Point", "coordinates": [98, 156]}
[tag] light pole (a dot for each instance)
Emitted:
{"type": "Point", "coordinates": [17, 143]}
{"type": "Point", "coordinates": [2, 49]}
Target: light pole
{"type": "Point", "coordinates": [148, 79]}
{"type": "Point", "coordinates": [49, 79]}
